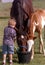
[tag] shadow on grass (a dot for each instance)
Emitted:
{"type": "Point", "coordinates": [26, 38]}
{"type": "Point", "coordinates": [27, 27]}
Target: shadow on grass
{"type": "Point", "coordinates": [0, 55]}
{"type": "Point", "coordinates": [37, 52]}
{"type": "Point", "coordinates": [15, 58]}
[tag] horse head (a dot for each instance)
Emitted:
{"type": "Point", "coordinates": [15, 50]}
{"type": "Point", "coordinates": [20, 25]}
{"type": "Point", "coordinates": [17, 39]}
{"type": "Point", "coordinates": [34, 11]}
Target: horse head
{"type": "Point", "coordinates": [20, 10]}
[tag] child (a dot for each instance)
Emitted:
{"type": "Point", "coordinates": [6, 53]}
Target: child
{"type": "Point", "coordinates": [8, 41]}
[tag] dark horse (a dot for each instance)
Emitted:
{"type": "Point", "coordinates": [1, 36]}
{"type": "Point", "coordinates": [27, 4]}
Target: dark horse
{"type": "Point", "coordinates": [21, 10]}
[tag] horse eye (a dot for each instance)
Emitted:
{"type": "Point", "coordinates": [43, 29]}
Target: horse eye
{"type": "Point", "coordinates": [22, 36]}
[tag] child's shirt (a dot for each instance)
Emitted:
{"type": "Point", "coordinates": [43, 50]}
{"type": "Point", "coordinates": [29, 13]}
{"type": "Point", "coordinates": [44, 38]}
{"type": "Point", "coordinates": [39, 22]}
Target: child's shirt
{"type": "Point", "coordinates": [9, 35]}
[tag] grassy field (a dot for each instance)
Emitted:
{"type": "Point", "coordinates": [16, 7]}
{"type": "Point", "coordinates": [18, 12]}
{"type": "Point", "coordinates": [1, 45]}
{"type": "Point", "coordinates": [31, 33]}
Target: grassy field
{"type": "Point", "coordinates": [5, 9]}
{"type": "Point", "coordinates": [39, 59]}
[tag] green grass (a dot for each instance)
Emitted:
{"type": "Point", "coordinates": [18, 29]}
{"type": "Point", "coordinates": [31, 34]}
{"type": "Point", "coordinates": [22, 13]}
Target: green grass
{"type": "Point", "coordinates": [5, 9]}
{"type": "Point", "coordinates": [39, 59]}
{"type": "Point", "coordinates": [39, 4]}
{"type": "Point", "coordinates": [3, 23]}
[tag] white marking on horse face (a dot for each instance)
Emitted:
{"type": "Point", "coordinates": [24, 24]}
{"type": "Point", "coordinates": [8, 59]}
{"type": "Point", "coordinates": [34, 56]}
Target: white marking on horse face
{"type": "Point", "coordinates": [30, 43]}
{"type": "Point", "coordinates": [43, 21]}
{"type": "Point", "coordinates": [22, 36]}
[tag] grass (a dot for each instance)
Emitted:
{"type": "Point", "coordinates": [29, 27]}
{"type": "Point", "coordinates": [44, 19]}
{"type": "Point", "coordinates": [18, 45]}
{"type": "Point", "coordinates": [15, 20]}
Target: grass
{"type": "Point", "coordinates": [5, 9]}
{"type": "Point", "coordinates": [39, 4]}
{"type": "Point", "coordinates": [39, 59]}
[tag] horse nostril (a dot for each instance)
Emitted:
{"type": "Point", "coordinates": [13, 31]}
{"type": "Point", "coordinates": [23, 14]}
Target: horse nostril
{"type": "Point", "coordinates": [22, 36]}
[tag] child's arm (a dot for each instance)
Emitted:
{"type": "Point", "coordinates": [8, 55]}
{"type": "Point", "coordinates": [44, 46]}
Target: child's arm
{"type": "Point", "coordinates": [13, 35]}
{"type": "Point", "coordinates": [14, 38]}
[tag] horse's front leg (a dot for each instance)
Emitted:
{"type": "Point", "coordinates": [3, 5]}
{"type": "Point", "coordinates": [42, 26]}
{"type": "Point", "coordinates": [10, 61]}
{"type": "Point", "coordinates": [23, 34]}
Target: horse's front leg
{"type": "Point", "coordinates": [41, 47]}
{"type": "Point", "coordinates": [30, 44]}
{"type": "Point", "coordinates": [32, 50]}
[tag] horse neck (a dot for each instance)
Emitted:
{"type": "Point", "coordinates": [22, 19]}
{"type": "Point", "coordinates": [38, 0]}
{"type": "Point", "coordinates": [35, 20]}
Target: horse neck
{"type": "Point", "coordinates": [32, 26]}
{"type": "Point", "coordinates": [28, 7]}
{"type": "Point", "coordinates": [31, 33]}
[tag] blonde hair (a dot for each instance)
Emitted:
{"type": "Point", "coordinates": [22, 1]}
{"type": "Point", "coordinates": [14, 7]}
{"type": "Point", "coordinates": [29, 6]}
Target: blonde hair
{"type": "Point", "coordinates": [12, 22]}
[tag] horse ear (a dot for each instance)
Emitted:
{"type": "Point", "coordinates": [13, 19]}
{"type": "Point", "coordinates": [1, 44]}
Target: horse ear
{"type": "Point", "coordinates": [34, 37]}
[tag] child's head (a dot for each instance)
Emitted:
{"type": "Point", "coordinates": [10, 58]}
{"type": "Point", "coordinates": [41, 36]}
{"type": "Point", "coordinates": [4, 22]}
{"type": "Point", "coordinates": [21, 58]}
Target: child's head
{"type": "Point", "coordinates": [12, 22]}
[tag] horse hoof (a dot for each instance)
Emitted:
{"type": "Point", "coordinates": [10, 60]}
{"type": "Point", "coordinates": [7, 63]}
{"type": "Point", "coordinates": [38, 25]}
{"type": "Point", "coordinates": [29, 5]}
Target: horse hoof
{"type": "Point", "coordinates": [44, 52]}
{"type": "Point", "coordinates": [32, 57]}
{"type": "Point", "coordinates": [41, 52]}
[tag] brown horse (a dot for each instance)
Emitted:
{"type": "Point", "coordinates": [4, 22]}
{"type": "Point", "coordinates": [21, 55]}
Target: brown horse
{"type": "Point", "coordinates": [21, 10]}
{"type": "Point", "coordinates": [37, 23]}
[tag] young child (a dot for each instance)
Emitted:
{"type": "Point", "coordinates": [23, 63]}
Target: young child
{"type": "Point", "coordinates": [8, 41]}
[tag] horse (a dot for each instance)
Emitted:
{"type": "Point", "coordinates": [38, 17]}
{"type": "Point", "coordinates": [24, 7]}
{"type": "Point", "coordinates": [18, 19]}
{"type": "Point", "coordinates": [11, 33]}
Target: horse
{"type": "Point", "coordinates": [37, 23]}
{"type": "Point", "coordinates": [21, 10]}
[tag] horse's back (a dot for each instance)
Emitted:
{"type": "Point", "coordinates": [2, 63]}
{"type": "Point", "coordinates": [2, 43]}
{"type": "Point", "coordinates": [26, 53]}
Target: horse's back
{"type": "Point", "coordinates": [37, 21]}
{"type": "Point", "coordinates": [38, 16]}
